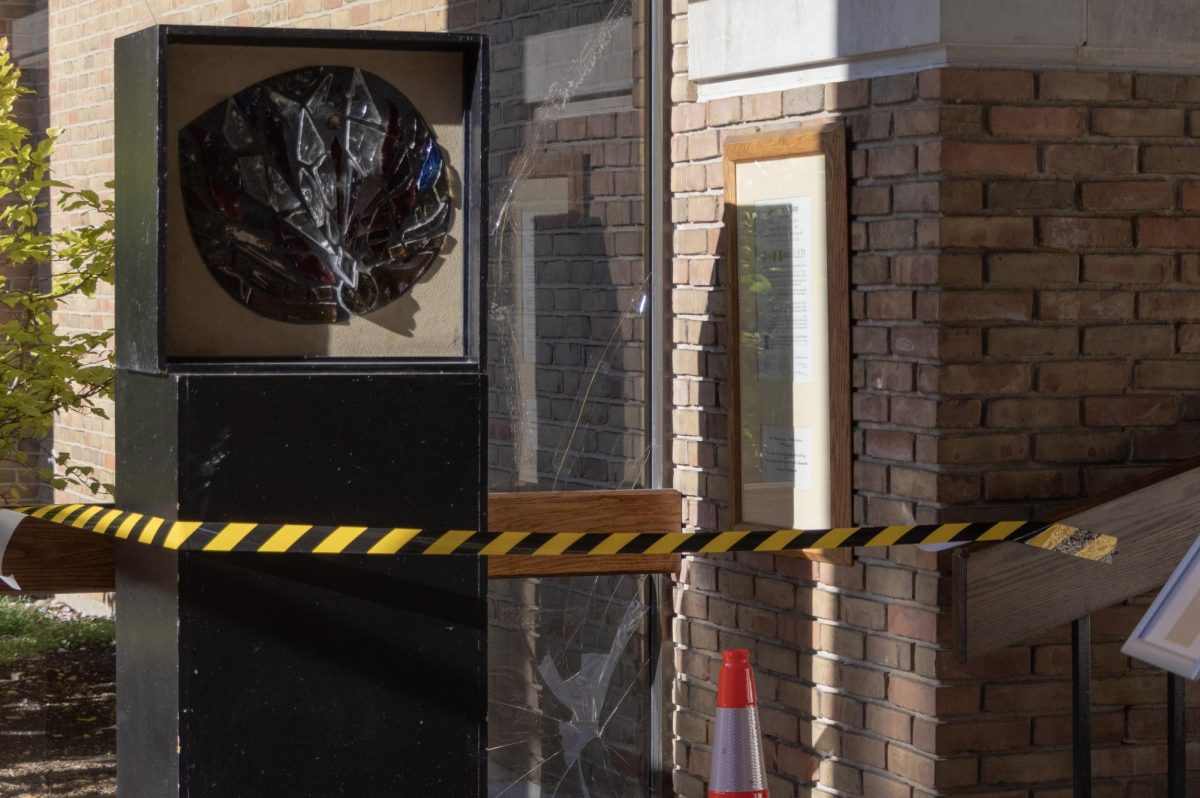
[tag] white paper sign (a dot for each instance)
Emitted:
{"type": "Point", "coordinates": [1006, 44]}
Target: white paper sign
{"type": "Point", "coordinates": [787, 455]}
{"type": "Point", "coordinates": [783, 248]}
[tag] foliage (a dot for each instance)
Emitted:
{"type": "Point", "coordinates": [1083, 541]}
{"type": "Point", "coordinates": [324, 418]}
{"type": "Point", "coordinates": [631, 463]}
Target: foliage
{"type": "Point", "coordinates": [45, 369]}
{"type": "Point", "coordinates": [27, 631]}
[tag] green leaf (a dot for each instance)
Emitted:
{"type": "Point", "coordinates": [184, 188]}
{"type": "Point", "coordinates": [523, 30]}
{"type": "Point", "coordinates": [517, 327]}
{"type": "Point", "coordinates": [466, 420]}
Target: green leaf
{"type": "Point", "coordinates": [46, 369]}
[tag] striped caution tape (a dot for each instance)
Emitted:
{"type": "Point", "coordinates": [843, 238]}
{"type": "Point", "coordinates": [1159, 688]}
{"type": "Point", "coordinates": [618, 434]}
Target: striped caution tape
{"type": "Point", "coordinates": [314, 539]}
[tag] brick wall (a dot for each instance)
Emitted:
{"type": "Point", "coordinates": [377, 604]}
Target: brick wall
{"type": "Point", "coordinates": [1024, 289]}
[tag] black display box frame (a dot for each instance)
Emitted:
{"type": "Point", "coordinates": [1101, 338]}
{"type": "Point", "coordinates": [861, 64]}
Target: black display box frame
{"type": "Point", "coordinates": [141, 114]}
{"type": "Point", "coordinates": [281, 674]}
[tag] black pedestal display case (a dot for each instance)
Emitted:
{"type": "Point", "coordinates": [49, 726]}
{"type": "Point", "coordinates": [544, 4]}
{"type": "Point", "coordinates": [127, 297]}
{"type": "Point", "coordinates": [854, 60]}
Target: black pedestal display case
{"type": "Point", "coordinates": [299, 340]}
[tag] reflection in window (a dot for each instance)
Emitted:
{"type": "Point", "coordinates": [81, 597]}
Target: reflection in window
{"type": "Point", "coordinates": [570, 659]}
{"type": "Point", "coordinates": [568, 277]}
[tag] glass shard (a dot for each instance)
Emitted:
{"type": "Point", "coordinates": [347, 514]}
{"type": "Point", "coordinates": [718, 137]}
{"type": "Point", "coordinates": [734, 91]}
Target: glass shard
{"type": "Point", "coordinates": [316, 194]}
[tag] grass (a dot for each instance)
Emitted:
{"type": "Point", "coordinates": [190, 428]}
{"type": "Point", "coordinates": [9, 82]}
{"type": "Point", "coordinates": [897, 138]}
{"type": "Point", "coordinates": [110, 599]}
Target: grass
{"type": "Point", "coordinates": [26, 631]}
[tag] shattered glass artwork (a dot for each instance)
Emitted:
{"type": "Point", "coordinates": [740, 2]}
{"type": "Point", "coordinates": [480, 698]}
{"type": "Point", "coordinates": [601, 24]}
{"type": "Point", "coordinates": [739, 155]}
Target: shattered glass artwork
{"type": "Point", "coordinates": [316, 194]}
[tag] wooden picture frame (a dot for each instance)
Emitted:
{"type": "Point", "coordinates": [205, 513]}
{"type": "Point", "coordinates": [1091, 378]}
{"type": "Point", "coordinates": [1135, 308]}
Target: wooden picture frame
{"type": "Point", "coordinates": [793, 160]}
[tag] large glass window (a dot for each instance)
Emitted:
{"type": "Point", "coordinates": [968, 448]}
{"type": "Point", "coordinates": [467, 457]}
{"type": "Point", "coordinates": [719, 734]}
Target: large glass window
{"type": "Point", "coordinates": [571, 660]}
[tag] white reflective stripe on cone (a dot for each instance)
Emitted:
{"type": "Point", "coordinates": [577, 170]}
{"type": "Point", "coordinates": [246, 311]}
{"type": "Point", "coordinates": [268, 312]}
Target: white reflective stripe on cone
{"type": "Point", "coordinates": [737, 760]}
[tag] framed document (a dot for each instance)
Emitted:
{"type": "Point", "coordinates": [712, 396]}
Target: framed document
{"type": "Point", "coordinates": [785, 205]}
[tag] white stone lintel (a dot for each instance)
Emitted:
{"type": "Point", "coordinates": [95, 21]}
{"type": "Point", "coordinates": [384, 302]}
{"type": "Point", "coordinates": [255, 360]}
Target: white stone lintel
{"type": "Point", "coordinates": [748, 46]}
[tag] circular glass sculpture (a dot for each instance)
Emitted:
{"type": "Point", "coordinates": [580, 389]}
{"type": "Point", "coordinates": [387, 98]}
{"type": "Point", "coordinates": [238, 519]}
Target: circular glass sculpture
{"type": "Point", "coordinates": [316, 194]}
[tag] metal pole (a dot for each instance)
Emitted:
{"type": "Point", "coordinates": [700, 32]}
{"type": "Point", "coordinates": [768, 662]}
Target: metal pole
{"type": "Point", "coordinates": [1081, 705]}
{"type": "Point", "coordinates": [1176, 737]}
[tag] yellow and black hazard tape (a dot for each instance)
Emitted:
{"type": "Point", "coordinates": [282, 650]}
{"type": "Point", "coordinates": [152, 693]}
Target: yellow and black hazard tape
{"type": "Point", "coordinates": [316, 539]}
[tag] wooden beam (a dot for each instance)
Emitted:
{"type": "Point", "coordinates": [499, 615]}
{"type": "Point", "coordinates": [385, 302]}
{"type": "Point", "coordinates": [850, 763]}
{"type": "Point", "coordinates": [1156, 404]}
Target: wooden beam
{"type": "Point", "coordinates": [48, 558]}
{"type": "Point", "coordinates": [1004, 593]}
{"type": "Point", "coordinates": [584, 511]}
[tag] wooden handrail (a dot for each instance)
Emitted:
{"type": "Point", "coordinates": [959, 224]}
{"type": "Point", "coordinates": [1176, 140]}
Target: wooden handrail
{"type": "Point", "coordinates": [48, 558]}
{"type": "Point", "coordinates": [1003, 594]}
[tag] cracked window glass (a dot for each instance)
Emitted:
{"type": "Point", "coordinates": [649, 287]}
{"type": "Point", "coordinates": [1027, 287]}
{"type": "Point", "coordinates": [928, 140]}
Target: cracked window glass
{"type": "Point", "coordinates": [569, 676]}
{"type": "Point", "coordinates": [570, 659]}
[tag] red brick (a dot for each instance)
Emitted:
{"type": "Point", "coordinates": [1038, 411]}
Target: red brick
{"type": "Point", "coordinates": [986, 231]}
{"type": "Point", "coordinates": [868, 269]}
{"type": "Point", "coordinates": [893, 89]}
{"type": "Point", "coordinates": [1081, 305]}
{"type": "Point", "coordinates": [724, 111]}
{"type": "Point", "coordinates": [981, 378]}
{"type": "Point", "coordinates": [1038, 268]}
{"type": "Point", "coordinates": [1036, 122]}
{"type": "Point", "coordinates": [891, 582]}
{"type": "Point", "coordinates": [1074, 233]}
{"type": "Point", "coordinates": [915, 197]}
{"type": "Point", "coordinates": [1004, 448]}
{"type": "Point", "coordinates": [1137, 195]}
{"type": "Point", "coordinates": [1189, 195]}
{"type": "Point", "coordinates": [1130, 411]}
{"type": "Point", "coordinates": [1183, 374]}
{"type": "Point", "coordinates": [911, 411]}
{"type": "Point", "coordinates": [1085, 86]}
{"type": "Point", "coordinates": [1031, 195]}
{"type": "Point", "coordinates": [870, 200]}
{"type": "Point", "coordinates": [1139, 340]}
{"type": "Point", "coordinates": [1088, 376]}
{"type": "Point", "coordinates": [920, 269]}
{"type": "Point", "coordinates": [1013, 697]}
{"type": "Point", "coordinates": [881, 786]}
{"type": "Point", "coordinates": [957, 197]}
{"type": "Point", "coordinates": [1189, 339]}
{"type": "Point", "coordinates": [870, 477]}
{"type": "Point", "coordinates": [1104, 160]}
{"type": "Point", "coordinates": [892, 234]}
{"type": "Point", "coordinates": [872, 126]}
{"type": "Point", "coordinates": [803, 100]}
{"type": "Point", "coordinates": [985, 306]}
{"type": "Point", "coordinates": [1169, 305]}
{"type": "Point", "coordinates": [976, 85]}
{"type": "Point", "coordinates": [1033, 342]}
{"type": "Point", "coordinates": [1080, 447]}
{"type": "Point", "coordinates": [885, 305]}
{"type": "Point", "coordinates": [915, 341]}
{"type": "Point", "coordinates": [1027, 484]}
{"type": "Point", "coordinates": [1127, 269]}
{"type": "Point", "coordinates": [889, 444]}
{"type": "Point", "coordinates": [892, 161]}
{"type": "Point", "coordinates": [1138, 122]}
{"type": "Point", "coordinates": [689, 116]}
{"type": "Point", "coordinates": [1033, 413]}
{"type": "Point", "coordinates": [953, 489]}
{"type": "Point", "coordinates": [869, 340]}
{"type": "Point", "coordinates": [971, 158]}
{"type": "Point", "coordinates": [851, 94]}
{"type": "Point", "coordinates": [797, 762]}
{"type": "Point", "coordinates": [912, 622]}
{"type": "Point", "coordinates": [1169, 233]}
{"type": "Point", "coordinates": [916, 122]}
{"type": "Point", "coordinates": [887, 376]}
{"type": "Point", "coordinates": [963, 271]}
{"type": "Point", "coordinates": [756, 107]}
{"type": "Point", "coordinates": [983, 735]}
{"type": "Point", "coordinates": [1171, 159]}
{"type": "Point", "coordinates": [1129, 689]}
{"type": "Point", "coordinates": [1170, 444]}
{"type": "Point", "coordinates": [1025, 768]}
{"type": "Point", "coordinates": [1168, 88]}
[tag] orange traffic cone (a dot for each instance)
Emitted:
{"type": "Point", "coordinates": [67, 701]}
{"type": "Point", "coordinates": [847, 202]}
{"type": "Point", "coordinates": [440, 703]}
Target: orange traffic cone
{"type": "Point", "coordinates": [737, 767]}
